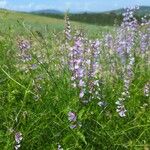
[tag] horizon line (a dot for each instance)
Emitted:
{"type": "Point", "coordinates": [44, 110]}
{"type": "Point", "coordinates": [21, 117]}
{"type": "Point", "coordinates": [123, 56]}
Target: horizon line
{"type": "Point", "coordinates": [63, 11]}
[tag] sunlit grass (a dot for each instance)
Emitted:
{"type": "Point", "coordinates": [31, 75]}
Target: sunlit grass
{"type": "Point", "coordinates": [41, 114]}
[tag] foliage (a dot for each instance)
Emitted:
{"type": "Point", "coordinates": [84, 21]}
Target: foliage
{"type": "Point", "coordinates": [39, 107]}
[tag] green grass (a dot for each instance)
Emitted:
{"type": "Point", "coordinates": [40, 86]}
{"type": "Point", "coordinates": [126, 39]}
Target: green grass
{"type": "Point", "coordinates": [44, 122]}
{"type": "Point", "coordinates": [12, 20]}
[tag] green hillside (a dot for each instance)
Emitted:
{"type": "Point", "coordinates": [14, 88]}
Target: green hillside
{"type": "Point", "coordinates": [17, 21]}
{"type": "Point", "coordinates": [143, 10]}
{"type": "Point", "coordinates": [99, 18]}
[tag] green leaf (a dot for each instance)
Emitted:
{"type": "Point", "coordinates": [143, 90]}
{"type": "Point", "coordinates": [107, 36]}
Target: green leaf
{"type": "Point", "coordinates": [80, 114]}
{"type": "Point", "coordinates": [82, 137]}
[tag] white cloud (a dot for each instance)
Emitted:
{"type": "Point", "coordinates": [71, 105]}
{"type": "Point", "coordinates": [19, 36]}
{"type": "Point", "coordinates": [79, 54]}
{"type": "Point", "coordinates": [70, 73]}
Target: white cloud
{"type": "Point", "coordinates": [30, 5]}
{"type": "Point", "coordinates": [27, 7]}
{"type": "Point", "coordinates": [3, 3]}
{"type": "Point", "coordinates": [40, 7]}
{"type": "Point", "coordinates": [75, 6]}
{"type": "Point", "coordinates": [62, 6]}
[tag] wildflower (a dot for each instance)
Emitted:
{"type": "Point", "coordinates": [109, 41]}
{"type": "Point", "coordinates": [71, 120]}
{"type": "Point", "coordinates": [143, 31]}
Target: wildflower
{"type": "Point", "coordinates": [128, 75]}
{"type": "Point", "coordinates": [18, 139]}
{"type": "Point", "coordinates": [24, 45]}
{"type": "Point", "coordinates": [145, 21]}
{"type": "Point", "coordinates": [147, 89]}
{"type": "Point", "coordinates": [33, 66]}
{"type": "Point", "coordinates": [144, 41]}
{"type": "Point", "coordinates": [26, 57]}
{"type": "Point", "coordinates": [59, 147]}
{"type": "Point", "coordinates": [81, 94]}
{"type": "Point", "coordinates": [102, 104]}
{"type": "Point", "coordinates": [73, 120]}
{"type": "Point", "coordinates": [73, 126]}
{"type": "Point", "coordinates": [17, 146]}
{"type": "Point", "coordinates": [67, 28]}
{"type": "Point", "coordinates": [108, 41]}
{"type": "Point", "coordinates": [121, 110]}
{"type": "Point", "coordinates": [81, 83]}
{"type": "Point", "coordinates": [72, 117]}
{"type": "Point", "coordinates": [126, 35]}
{"type": "Point", "coordinates": [119, 102]}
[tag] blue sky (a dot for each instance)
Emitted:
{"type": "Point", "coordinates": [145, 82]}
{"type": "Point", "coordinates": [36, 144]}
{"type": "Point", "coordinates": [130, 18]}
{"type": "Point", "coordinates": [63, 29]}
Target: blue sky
{"type": "Point", "coordinates": [71, 5]}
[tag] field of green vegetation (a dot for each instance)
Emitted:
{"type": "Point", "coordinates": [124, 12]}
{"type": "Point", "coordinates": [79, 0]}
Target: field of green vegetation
{"type": "Point", "coordinates": [28, 22]}
{"type": "Point", "coordinates": [73, 86]}
{"type": "Point", "coordinates": [98, 18]}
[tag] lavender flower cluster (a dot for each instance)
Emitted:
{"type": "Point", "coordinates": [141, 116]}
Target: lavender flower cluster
{"type": "Point", "coordinates": [24, 46]}
{"type": "Point", "coordinates": [24, 55]}
{"type": "Point", "coordinates": [85, 55]}
{"type": "Point", "coordinates": [84, 64]}
{"type": "Point", "coordinates": [67, 28]}
{"type": "Point", "coordinates": [128, 76]}
{"type": "Point", "coordinates": [147, 89]}
{"type": "Point", "coordinates": [18, 139]}
{"type": "Point", "coordinates": [126, 35]}
{"type": "Point", "coordinates": [26, 60]}
{"type": "Point", "coordinates": [59, 147]}
{"type": "Point", "coordinates": [74, 123]}
{"type": "Point", "coordinates": [73, 119]}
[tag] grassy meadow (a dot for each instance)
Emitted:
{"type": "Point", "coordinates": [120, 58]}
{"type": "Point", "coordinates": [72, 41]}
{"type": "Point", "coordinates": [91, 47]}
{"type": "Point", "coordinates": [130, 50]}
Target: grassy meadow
{"type": "Point", "coordinates": [47, 104]}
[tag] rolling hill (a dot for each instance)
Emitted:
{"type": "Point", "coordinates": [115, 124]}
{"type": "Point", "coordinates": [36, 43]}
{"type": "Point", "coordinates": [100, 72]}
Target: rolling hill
{"type": "Point", "coordinates": [48, 11]}
{"type": "Point", "coordinates": [143, 10]}
{"type": "Point", "coordinates": [99, 18]}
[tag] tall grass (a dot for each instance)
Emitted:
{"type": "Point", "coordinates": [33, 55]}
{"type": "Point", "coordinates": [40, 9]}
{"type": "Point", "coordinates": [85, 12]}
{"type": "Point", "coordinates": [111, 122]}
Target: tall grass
{"type": "Point", "coordinates": [41, 110]}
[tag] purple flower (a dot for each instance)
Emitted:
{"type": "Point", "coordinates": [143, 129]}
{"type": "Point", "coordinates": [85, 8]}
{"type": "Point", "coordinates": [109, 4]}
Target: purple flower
{"type": "Point", "coordinates": [26, 57]}
{"type": "Point", "coordinates": [24, 45]}
{"type": "Point", "coordinates": [81, 94]}
{"type": "Point", "coordinates": [59, 147]}
{"type": "Point", "coordinates": [144, 41]}
{"type": "Point", "coordinates": [108, 41]}
{"type": "Point", "coordinates": [73, 120]}
{"type": "Point", "coordinates": [34, 66]}
{"type": "Point", "coordinates": [67, 28]}
{"type": "Point", "coordinates": [17, 146]}
{"type": "Point", "coordinates": [147, 89]}
{"type": "Point", "coordinates": [121, 110]}
{"type": "Point", "coordinates": [72, 117]}
{"type": "Point", "coordinates": [81, 83]}
{"type": "Point", "coordinates": [102, 104]}
{"type": "Point", "coordinates": [80, 72]}
{"type": "Point", "coordinates": [73, 126]}
{"type": "Point", "coordinates": [18, 137]}
{"type": "Point", "coordinates": [126, 34]}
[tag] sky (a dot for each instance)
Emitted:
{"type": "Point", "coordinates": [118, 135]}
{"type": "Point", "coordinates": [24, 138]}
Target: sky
{"type": "Point", "coordinates": [71, 5]}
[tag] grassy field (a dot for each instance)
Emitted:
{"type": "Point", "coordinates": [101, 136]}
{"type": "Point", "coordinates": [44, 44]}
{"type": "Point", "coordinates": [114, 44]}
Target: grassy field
{"type": "Point", "coordinates": [10, 19]}
{"type": "Point", "coordinates": [40, 107]}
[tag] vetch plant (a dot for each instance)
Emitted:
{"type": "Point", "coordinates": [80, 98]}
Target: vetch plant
{"type": "Point", "coordinates": [73, 119]}
{"type": "Point", "coordinates": [84, 58]}
{"type": "Point", "coordinates": [59, 147]}
{"type": "Point", "coordinates": [18, 139]}
{"type": "Point", "coordinates": [147, 89]}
